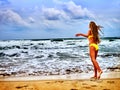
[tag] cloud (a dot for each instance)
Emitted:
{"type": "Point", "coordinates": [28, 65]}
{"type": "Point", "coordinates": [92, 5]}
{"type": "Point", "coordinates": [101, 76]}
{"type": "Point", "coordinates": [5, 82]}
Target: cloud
{"type": "Point", "coordinates": [31, 20]}
{"type": "Point", "coordinates": [115, 20]}
{"type": "Point", "coordinates": [9, 17]}
{"type": "Point", "coordinates": [67, 11]}
{"type": "Point", "coordinates": [53, 13]}
{"type": "Point", "coordinates": [76, 11]}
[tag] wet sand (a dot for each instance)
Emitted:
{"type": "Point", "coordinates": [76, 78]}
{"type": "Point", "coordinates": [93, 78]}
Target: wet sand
{"type": "Point", "coordinates": [110, 82]}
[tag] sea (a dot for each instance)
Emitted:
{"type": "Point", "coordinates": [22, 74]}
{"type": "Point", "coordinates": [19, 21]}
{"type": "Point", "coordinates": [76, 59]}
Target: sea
{"type": "Point", "coordinates": [42, 57]}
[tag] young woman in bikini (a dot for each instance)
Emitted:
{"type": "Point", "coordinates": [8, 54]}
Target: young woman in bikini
{"type": "Point", "coordinates": [94, 40]}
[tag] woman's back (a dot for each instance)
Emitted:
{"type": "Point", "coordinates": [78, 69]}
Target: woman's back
{"type": "Point", "coordinates": [91, 38]}
{"type": "Point", "coordinates": [93, 33]}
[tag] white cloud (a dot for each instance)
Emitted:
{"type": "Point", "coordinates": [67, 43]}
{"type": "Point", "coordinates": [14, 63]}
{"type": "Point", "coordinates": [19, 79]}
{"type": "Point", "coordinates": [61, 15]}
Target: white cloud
{"type": "Point", "coordinates": [116, 20]}
{"type": "Point", "coordinates": [7, 16]}
{"type": "Point", "coordinates": [31, 19]}
{"type": "Point", "coordinates": [53, 13]}
{"type": "Point", "coordinates": [67, 11]}
{"type": "Point", "coordinates": [75, 11]}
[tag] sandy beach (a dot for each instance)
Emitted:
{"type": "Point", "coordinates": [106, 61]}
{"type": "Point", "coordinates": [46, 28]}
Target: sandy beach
{"type": "Point", "coordinates": [107, 84]}
{"type": "Point", "coordinates": [108, 81]}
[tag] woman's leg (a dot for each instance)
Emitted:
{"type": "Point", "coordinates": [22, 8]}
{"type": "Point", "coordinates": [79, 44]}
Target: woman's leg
{"type": "Point", "coordinates": [93, 55]}
{"type": "Point", "coordinates": [95, 69]}
{"type": "Point", "coordinates": [99, 73]}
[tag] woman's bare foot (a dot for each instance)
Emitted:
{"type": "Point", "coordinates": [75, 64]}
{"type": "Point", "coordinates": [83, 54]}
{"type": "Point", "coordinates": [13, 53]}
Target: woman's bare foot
{"type": "Point", "coordinates": [99, 74]}
{"type": "Point", "coordinates": [93, 78]}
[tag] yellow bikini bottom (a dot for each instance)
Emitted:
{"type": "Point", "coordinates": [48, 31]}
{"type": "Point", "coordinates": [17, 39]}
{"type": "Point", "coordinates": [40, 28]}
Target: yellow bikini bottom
{"type": "Point", "coordinates": [95, 46]}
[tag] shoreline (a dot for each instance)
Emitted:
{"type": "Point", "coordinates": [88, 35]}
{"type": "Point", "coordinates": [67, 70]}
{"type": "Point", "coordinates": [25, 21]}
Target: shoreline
{"type": "Point", "coordinates": [80, 76]}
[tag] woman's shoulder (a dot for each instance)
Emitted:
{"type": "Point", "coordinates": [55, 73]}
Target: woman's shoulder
{"type": "Point", "coordinates": [89, 32]}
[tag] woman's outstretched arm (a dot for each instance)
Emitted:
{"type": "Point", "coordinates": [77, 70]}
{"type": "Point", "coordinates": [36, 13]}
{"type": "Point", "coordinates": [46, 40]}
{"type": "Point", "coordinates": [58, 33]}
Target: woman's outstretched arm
{"type": "Point", "coordinates": [80, 34]}
{"type": "Point", "coordinates": [84, 35]}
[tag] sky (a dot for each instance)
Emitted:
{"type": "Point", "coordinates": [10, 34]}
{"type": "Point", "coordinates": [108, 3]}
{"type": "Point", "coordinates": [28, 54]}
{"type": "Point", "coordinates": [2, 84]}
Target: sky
{"type": "Point", "coordinates": [44, 19]}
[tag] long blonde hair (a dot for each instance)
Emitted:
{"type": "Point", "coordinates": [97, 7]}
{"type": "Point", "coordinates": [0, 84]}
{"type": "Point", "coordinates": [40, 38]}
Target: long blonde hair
{"type": "Point", "coordinates": [94, 30]}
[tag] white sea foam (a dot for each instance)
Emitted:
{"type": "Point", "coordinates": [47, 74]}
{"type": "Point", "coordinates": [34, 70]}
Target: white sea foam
{"type": "Point", "coordinates": [46, 57]}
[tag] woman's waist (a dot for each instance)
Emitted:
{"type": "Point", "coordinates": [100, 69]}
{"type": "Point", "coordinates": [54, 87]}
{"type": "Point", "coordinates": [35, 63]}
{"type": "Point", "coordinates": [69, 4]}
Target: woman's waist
{"type": "Point", "coordinates": [93, 43]}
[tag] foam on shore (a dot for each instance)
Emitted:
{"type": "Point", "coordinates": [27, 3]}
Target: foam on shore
{"type": "Point", "coordinates": [81, 76]}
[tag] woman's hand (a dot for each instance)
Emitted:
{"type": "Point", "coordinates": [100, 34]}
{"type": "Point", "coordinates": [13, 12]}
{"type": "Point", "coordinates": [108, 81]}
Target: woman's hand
{"type": "Point", "coordinates": [78, 34]}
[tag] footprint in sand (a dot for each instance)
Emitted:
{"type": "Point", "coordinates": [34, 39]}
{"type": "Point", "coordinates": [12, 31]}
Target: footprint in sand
{"type": "Point", "coordinates": [59, 81]}
{"type": "Point", "coordinates": [106, 89]}
{"type": "Point", "coordinates": [87, 87]}
{"type": "Point", "coordinates": [26, 87]}
{"type": "Point", "coordinates": [48, 82]}
{"type": "Point", "coordinates": [18, 87]}
{"type": "Point", "coordinates": [84, 84]}
{"type": "Point", "coordinates": [73, 89]}
{"type": "Point", "coordinates": [111, 82]}
{"type": "Point", "coordinates": [93, 85]}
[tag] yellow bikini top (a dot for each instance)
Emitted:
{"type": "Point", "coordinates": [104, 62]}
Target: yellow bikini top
{"type": "Point", "coordinates": [90, 36]}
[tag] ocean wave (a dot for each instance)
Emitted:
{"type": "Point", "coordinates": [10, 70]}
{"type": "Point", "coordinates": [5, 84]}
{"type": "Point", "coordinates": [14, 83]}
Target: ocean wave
{"type": "Point", "coordinates": [31, 57]}
{"type": "Point", "coordinates": [9, 55]}
{"type": "Point", "coordinates": [110, 54]}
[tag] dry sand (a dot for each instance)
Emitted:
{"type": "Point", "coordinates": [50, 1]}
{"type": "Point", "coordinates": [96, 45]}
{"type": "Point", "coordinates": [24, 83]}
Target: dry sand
{"type": "Point", "coordinates": [110, 83]}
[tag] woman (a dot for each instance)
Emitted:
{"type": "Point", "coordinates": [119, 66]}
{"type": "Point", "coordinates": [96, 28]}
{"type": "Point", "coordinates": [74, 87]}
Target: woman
{"type": "Point", "coordinates": [94, 40]}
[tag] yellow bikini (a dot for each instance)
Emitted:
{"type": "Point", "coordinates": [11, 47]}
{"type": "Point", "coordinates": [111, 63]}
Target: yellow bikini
{"type": "Point", "coordinates": [93, 44]}
{"type": "Point", "coordinates": [90, 36]}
